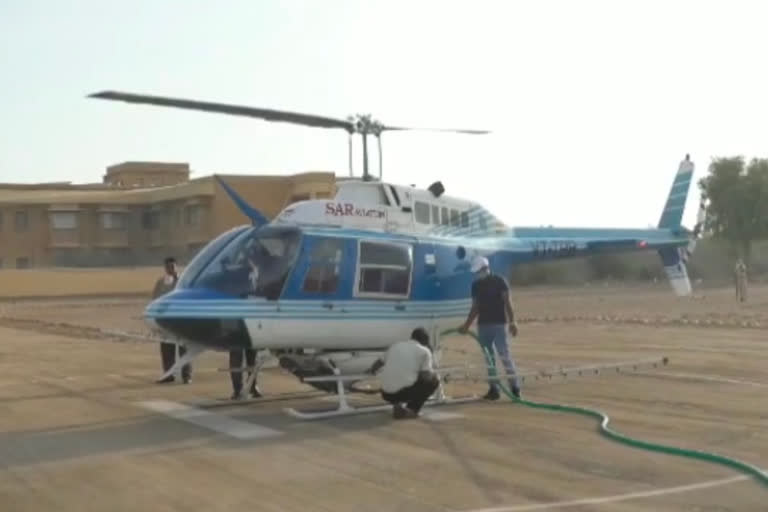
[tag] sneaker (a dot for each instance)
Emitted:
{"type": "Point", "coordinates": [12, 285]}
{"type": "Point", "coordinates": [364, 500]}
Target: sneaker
{"type": "Point", "coordinates": [255, 393]}
{"type": "Point", "coordinates": [236, 396]}
{"type": "Point", "coordinates": [492, 394]}
{"type": "Point", "coordinates": [516, 392]}
{"type": "Point", "coordinates": [398, 412]}
{"type": "Point", "coordinates": [166, 380]}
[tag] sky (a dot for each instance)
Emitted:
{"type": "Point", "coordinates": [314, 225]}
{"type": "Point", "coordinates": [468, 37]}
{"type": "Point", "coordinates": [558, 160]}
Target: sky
{"type": "Point", "coordinates": [592, 104]}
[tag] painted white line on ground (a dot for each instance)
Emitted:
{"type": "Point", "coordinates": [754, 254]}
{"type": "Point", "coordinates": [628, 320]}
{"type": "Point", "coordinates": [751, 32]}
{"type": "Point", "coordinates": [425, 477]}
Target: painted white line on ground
{"type": "Point", "coordinates": [712, 378]}
{"type": "Point", "coordinates": [689, 348]}
{"type": "Point", "coordinates": [614, 498]}
{"type": "Point", "coordinates": [440, 416]}
{"type": "Point", "coordinates": [212, 421]}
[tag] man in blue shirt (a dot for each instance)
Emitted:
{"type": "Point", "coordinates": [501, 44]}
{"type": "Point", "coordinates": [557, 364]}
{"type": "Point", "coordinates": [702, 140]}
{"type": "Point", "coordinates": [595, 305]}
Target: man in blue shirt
{"type": "Point", "coordinates": [492, 307]}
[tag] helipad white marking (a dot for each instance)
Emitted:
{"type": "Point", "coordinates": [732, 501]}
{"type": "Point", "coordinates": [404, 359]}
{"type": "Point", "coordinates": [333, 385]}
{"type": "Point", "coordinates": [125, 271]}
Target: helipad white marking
{"type": "Point", "coordinates": [713, 378]}
{"type": "Point", "coordinates": [216, 422]}
{"type": "Point", "coordinates": [440, 416]}
{"type": "Point", "coordinates": [615, 498]}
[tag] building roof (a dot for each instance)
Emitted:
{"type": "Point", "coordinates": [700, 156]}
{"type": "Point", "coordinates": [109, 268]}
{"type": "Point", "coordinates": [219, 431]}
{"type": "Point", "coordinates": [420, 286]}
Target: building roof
{"type": "Point", "coordinates": [105, 194]}
{"type": "Point", "coordinates": [149, 167]}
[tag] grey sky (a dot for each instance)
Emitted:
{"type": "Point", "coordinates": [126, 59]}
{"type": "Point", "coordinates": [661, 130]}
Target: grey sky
{"type": "Point", "coordinates": [593, 103]}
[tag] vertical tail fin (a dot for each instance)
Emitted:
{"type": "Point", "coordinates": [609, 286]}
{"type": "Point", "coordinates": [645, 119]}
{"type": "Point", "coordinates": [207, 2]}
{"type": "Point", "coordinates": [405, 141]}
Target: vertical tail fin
{"type": "Point", "coordinates": [674, 258]}
{"type": "Point", "coordinates": [672, 215]}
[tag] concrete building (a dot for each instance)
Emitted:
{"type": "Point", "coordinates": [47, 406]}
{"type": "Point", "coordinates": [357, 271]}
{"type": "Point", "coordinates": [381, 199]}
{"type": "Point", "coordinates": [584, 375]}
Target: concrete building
{"type": "Point", "coordinates": [142, 212]}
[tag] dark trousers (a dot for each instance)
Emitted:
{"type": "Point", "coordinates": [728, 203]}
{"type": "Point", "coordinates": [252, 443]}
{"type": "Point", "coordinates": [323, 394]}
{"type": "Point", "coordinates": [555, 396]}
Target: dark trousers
{"type": "Point", "coordinates": [414, 395]}
{"type": "Point", "coordinates": [236, 361]}
{"type": "Point", "coordinates": [168, 356]}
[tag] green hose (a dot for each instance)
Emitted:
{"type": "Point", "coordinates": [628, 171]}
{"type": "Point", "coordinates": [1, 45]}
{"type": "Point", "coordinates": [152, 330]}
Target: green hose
{"type": "Point", "coordinates": [608, 432]}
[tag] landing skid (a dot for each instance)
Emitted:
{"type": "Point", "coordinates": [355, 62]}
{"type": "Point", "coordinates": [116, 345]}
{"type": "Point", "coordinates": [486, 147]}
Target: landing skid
{"type": "Point", "coordinates": [345, 409]}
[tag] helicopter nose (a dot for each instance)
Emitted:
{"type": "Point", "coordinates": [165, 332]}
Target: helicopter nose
{"type": "Point", "coordinates": [213, 333]}
{"type": "Point", "coordinates": [188, 314]}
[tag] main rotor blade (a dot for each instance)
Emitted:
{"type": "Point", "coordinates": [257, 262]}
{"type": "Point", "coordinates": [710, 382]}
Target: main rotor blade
{"type": "Point", "coordinates": [405, 128]}
{"type": "Point", "coordinates": [222, 108]}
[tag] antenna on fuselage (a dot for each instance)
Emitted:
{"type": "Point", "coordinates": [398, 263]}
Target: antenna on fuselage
{"type": "Point", "coordinates": [363, 125]}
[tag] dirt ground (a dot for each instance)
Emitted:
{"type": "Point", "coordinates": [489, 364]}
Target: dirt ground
{"type": "Point", "coordinates": [83, 426]}
{"type": "Point", "coordinates": [58, 282]}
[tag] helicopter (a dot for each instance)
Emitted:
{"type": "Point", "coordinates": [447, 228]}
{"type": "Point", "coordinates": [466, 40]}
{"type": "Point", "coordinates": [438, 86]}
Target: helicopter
{"type": "Point", "coordinates": [328, 284]}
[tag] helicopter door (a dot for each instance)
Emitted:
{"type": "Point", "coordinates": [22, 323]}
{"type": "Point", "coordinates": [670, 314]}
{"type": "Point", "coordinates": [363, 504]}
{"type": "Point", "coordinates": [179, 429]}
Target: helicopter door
{"type": "Point", "coordinates": [321, 273]}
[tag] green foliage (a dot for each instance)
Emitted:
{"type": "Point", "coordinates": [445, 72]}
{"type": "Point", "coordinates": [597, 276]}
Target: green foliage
{"type": "Point", "coordinates": [737, 202]}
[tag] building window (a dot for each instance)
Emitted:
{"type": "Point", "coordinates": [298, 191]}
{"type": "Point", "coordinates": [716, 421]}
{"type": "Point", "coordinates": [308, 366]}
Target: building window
{"type": "Point", "coordinates": [384, 269]}
{"type": "Point", "coordinates": [324, 266]}
{"type": "Point", "coordinates": [483, 224]}
{"type": "Point", "coordinates": [421, 211]}
{"type": "Point", "coordinates": [21, 221]}
{"type": "Point", "coordinates": [192, 214]}
{"type": "Point", "coordinates": [435, 214]}
{"type": "Point", "coordinates": [299, 197]}
{"type": "Point", "coordinates": [150, 219]}
{"type": "Point", "coordinates": [63, 220]}
{"type": "Point", "coordinates": [114, 220]}
{"type": "Point", "coordinates": [465, 219]}
{"type": "Point", "coordinates": [22, 262]}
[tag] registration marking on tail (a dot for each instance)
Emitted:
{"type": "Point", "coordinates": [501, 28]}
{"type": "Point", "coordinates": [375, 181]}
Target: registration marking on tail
{"type": "Point", "coordinates": [217, 422]}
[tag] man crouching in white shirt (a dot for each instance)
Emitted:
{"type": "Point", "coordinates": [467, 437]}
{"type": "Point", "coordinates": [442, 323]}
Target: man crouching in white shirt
{"type": "Point", "coordinates": [408, 376]}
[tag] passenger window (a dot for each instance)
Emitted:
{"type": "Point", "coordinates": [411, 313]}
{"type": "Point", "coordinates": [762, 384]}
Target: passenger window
{"type": "Point", "coordinates": [465, 219]}
{"type": "Point", "coordinates": [435, 215]}
{"type": "Point", "coordinates": [455, 218]}
{"type": "Point", "coordinates": [421, 211]}
{"type": "Point", "coordinates": [444, 216]}
{"type": "Point", "coordinates": [481, 221]}
{"type": "Point", "coordinates": [324, 266]}
{"type": "Point", "coordinates": [385, 269]}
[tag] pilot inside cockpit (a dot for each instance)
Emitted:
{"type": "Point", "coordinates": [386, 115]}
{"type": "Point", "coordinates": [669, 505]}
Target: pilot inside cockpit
{"type": "Point", "coordinates": [258, 258]}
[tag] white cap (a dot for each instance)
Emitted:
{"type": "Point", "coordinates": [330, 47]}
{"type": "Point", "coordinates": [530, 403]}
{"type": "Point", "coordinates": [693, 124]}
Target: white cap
{"type": "Point", "coordinates": [478, 263]}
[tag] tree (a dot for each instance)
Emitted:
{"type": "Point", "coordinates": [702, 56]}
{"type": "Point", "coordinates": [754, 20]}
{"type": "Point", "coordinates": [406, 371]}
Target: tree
{"type": "Point", "coordinates": [736, 201]}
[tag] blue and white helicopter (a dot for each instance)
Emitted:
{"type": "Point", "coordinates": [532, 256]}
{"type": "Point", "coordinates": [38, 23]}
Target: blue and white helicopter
{"type": "Point", "coordinates": [328, 284]}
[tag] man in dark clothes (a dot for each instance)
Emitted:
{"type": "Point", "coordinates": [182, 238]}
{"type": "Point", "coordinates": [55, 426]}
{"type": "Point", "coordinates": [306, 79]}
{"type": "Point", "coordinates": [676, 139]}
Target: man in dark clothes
{"type": "Point", "coordinates": [492, 307]}
{"type": "Point", "coordinates": [164, 285]}
{"type": "Point", "coordinates": [236, 362]}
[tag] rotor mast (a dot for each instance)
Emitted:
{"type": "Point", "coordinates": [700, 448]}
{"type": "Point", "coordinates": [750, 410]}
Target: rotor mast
{"type": "Point", "coordinates": [365, 125]}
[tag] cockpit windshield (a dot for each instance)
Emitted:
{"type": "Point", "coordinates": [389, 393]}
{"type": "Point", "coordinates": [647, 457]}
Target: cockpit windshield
{"type": "Point", "coordinates": [254, 265]}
